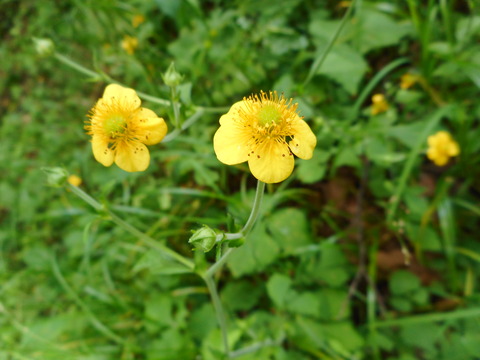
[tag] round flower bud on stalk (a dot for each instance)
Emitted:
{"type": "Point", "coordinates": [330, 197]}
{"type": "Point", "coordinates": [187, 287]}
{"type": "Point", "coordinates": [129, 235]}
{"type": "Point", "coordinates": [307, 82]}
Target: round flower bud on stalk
{"type": "Point", "coordinates": [172, 77]}
{"type": "Point", "coordinates": [56, 176]}
{"type": "Point", "coordinates": [44, 47]}
{"type": "Point", "coordinates": [203, 239]}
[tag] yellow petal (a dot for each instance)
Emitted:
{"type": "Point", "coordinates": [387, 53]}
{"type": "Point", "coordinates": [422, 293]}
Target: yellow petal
{"type": "Point", "coordinates": [150, 128]}
{"type": "Point", "coordinates": [230, 143]}
{"type": "Point", "coordinates": [453, 149]}
{"type": "Point", "coordinates": [272, 162]}
{"type": "Point", "coordinates": [132, 156]}
{"type": "Point", "coordinates": [440, 160]}
{"type": "Point", "coordinates": [304, 140]}
{"type": "Point", "coordinates": [120, 93]}
{"type": "Point", "coordinates": [102, 153]}
{"type": "Point", "coordinates": [233, 114]}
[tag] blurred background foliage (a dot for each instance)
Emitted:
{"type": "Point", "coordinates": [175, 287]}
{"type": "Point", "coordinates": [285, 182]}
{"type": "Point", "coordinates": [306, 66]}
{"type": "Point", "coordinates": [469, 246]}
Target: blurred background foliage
{"type": "Point", "coordinates": [368, 251]}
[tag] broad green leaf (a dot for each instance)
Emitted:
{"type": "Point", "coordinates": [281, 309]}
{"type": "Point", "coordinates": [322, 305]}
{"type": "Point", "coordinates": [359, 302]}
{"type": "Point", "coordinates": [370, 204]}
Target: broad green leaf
{"type": "Point", "coordinates": [306, 303]}
{"type": "Point", "coordinates": [259, 251]}
{"type": "Point", "coordinates": [241, 295]}
{"type": "Point", "coordinates": [278, 288]}
{"type": "Point", "coordinates": [314, 169]}
{"type": "Point", "coordinates": [345, 66]}
{"type": "Point", "coordinates": [289, 228]}
{"type": "Point", "coordinates": [403, 282]}
{"type": "Point", "coordinates": [158, 310]}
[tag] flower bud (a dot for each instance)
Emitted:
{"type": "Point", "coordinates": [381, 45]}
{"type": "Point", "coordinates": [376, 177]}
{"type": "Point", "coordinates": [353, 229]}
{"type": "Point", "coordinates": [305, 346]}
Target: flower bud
{"type": "Point", "coordinates": [172, 77]}
{"type": "Point", "coordinates": [44, 47]}
{"type": "Point", "coordinates": [203, 239]}
{"type": "Point", "coordinates": [56, 177]}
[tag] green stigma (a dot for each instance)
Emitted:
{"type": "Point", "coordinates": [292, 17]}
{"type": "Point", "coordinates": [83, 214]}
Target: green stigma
{"type": "Point", "coordinates": [115, 125]}
{"type": "Point", "coordinates": [269, 114]}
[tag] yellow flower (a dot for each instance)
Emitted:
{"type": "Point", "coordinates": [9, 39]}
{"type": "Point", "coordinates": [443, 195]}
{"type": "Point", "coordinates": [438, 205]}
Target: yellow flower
{"type": "Point", "coordinates": [137, 20]}
{"type": "Point", "coordinates": [379, 104]}
{"type": "Point", "coordinates": [129, 44]}
{"type": "Point", "coordinates": [75, 180]}
{"type": "Point", "coordinates": [266, 131]}
{"type": "Point", "coordinates": [441, 147]}
{"type": "Point", "coordinates": [408, 80]}
{"type": "Point", "coordinates": [120, 129]}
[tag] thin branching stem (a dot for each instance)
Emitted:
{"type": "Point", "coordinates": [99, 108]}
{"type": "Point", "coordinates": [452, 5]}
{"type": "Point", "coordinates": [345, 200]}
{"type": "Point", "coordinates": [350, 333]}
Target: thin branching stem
{"type": "Point", "coordinates": [131, 229]}
{"type": "Point", "coordinates": [220, 313]}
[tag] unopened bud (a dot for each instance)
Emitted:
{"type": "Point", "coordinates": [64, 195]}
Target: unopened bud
{"type": "Point", "coordinates": [56, 176]}
{"type": "Point", "coordinates": [172, 77]}
{"type": "Point", "coordinates": [203, 239]}
{"type": "Point", "coordinates": [44, 47]}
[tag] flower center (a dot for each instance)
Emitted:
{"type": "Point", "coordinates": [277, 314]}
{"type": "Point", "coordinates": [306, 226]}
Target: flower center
{"type": "Point", "coordinates": [115, 125]}
{"type": "Point", "coordinates": [268, 114]}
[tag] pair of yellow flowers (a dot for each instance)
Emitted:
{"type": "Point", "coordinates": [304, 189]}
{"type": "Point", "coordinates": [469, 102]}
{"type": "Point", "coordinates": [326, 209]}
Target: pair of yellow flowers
{"type": "Point", "coordinates": [264, 130]}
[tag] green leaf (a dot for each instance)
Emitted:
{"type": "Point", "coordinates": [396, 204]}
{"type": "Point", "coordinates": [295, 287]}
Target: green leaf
{"type": "Point", "coordinates": [241, 295]}
{"type": "Point", "coordinates": [403, 282]}
{"type": "Point", "coordinates": [290, 229]}
{"type": "Point", "coordinates": [202, 321]}
{"type": "Point", "coordinates": [314, 169]}
{"type": "Point", "coordinates": [259, 251]}
{"type": "Point", "coordinates": [374, 29]}
{"type": "Point", "coordinates": [158, 310]}
{"type": "Point", "coordinates": [345, 66]}
{"type": "Point", "coordinates": [160, 264]}
{"type": "Point", "coordinates": [305, 303]}
{"type": "Point", "coordinates": [278, 287]}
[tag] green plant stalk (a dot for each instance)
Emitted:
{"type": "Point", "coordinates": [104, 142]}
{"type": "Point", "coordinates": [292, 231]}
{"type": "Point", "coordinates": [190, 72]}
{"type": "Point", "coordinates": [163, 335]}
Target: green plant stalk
{"type": "Point", "coordinates": [104, 77]}
{"type": "Point", "coordinates": [209, 274]}
{"type": "Point", "coordinates": [131, 229]}
{"type": "Point", "coordinates": [373, 83]}
{"type": "Point", "coordinates": [219, 312]}
{"type": "Point", "coordinates": [319, 60]}
{"type": "Point", "coordinates": [407, 169]}
{"type": "Point", "coordinates": [187, 123]}
{"type": "Point", "coordinates": [252, 348]}
{"type": "Point", "coordinates": [443, 316]}
{"type": "Point", "coordinates": [95, 322]}
{"type": "Point", "coordinates": [99, 76]}
{"type": "Point", "coordinates": [175, 106]}
{"type": "Point", "coordinates": [257, 202]}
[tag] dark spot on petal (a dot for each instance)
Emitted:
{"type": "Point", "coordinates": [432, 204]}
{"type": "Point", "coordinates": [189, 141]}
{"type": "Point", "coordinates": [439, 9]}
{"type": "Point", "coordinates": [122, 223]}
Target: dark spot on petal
{"type": "Point", "coordinates": [283, 155]}
{"type": "Point", "coordinates": [258, 156]}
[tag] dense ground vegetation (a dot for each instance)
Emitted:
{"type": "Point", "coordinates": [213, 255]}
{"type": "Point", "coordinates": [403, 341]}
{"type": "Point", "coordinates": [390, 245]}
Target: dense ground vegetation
{"type": "Point", "coordinates": [370, 250]}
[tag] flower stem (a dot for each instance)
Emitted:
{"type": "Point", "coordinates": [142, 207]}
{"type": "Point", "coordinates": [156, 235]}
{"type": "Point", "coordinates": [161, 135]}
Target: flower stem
{"type": "Point", "coordinates": [176, 107]}
{"type": "Point", "coordinates": [319, 61]}
{"type": "Point", "coordinates": [129, 228]}
{"type": "Point", "coordinates": [99, 76]}
{"type": "Point", "coordinates": [257, 202]}
{"type": "Point", "coordinates": [217, 304]}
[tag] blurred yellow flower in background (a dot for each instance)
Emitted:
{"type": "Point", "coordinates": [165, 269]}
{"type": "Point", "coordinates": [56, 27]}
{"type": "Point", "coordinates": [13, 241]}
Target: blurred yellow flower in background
{"type": "Point", "coordinates": [441, 147]}
{"type": "Point", "coordinates": [266, 131]}
{"type": "Point", "coordinates": [129, 44]}
{"type": "Point", "coordinates": [120, 129]}
{"type": "Point", "coordinates": [74, 180]}
{"type": "Point", "coordinates": [137, 20]}
{"type": "Point", "coordinates": [408, 80]}
{"type": "Point", "coordinates": [379, 104]}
